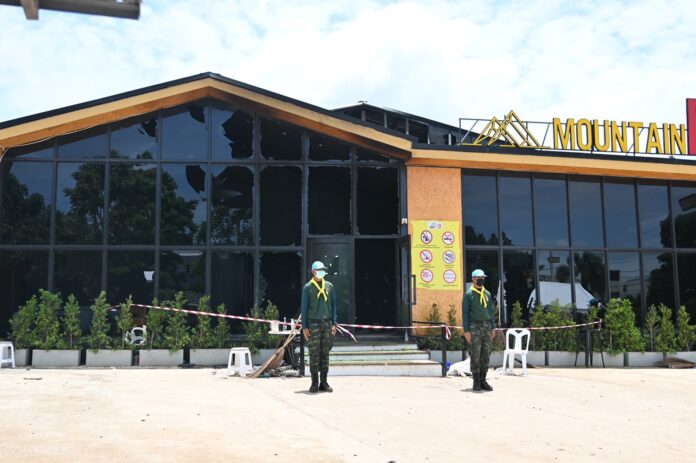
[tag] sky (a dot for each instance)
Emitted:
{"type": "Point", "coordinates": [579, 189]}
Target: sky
{"type": "Point", "coordinates": [439, 59]}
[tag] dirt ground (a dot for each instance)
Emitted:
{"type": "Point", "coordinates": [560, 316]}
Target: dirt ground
{"type": "Point", "coordinates": [201, 415]}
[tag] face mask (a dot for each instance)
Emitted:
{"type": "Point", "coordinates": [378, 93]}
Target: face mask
{"type": "Point", "coordinates": [321, 274]}
{"type": "Point", "coordinates": [479, 282]}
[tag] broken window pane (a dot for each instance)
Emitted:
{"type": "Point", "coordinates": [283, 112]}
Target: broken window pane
{"type": "Point", "coordinates": [327, 149]}
{"type": "Point", "coordinates": [396, 123]}
{"type": "Point", "coordinates": [231, 215]}
{"type": "Point", "coordinates": [281, 205]}
{"type": "Point", "coordinates": [375, 264]}
{"type": "Point", "coordinates": [184, 206]}
{"type": "Point", "coordinates": [374, 116]}
{"type": "Point", "coordinates": [185, 132]}
{"type": "Point", "coordinates": [365, 155]}
{"type": "Point", "coordinates": [135, 138]}
{"type": "Point", "coordinates": [418, 130]}
{"type": "Point", "coordinates": [232, 281]}
{"type": "Point", "coordinates": [378, 200]}
{"type": "Point", "coordinates": [280, 141]}
{"type": "Point", "coordinates": [280, 281]}
{"type": "Point", "coordinates": [232, 133]}
{"type": "Point", "coordinates": [182, 270]}
{"type": "Point", "coordinates": [329, 201]}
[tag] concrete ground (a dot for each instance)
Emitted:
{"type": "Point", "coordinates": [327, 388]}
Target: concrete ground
{"type": "Point", "coordinates": [200, 415]}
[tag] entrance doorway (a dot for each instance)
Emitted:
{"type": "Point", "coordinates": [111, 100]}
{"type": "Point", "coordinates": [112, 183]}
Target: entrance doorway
{"type": "Point", "coordinates": [337, 256]}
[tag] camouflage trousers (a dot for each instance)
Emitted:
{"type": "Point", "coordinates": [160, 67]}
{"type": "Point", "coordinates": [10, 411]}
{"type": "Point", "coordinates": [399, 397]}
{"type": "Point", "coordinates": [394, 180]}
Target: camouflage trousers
{"type": "Point", "coordinates": [320, 343]}
{"type": "Point", "coordinates": [480, 346]}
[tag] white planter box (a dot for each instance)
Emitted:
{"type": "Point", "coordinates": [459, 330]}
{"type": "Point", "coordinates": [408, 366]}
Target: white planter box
{"type": "Point", "coordinates": [453, 356]}
{"type": "Point", "coordinates": [161, 358]}
{"type": "Point", "coordinates": [536, 358]}
{"type": "Point", "coordinates": [55, 358]}
{"type": "Point", "coordinates": [21, 357]}
{"type": "Point", "coordinates": [610, 361]}
{"type": "Point", "coordinates": [110, 358]}
{"type": "Point", "coordinates": [645, 359]}
{"type": "Point", "coordinates": [690, 356]}
{"type": "Point", "coordinates": [496, 359]}
{"type": "Point", "coordinates": [564, 359]}
{"type": "Point", "coordinates": [260, 357]}
{"type": "Point", "coordinates": [209, 357]}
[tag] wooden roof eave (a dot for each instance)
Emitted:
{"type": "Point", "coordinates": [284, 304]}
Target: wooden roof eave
{"type": "Point", "coordinates": [81, 119]}
{"type": "Point", "coordinates": [553, 164]}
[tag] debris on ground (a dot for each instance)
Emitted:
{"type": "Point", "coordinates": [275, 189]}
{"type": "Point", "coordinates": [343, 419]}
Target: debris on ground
{"type": "Point", "coordinates": [674, 362]}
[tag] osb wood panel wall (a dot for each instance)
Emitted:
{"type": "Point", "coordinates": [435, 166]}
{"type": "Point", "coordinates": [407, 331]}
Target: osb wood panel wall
{"type": "Point", "coordinates": [435, 193]}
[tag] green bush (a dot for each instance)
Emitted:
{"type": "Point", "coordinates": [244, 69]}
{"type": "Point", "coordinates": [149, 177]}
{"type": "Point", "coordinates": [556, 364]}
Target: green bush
{"type": "Point", "coordinates": [221, 333]}
{"type": "Point", "coordinates": [176, 334]}
{"type": "Point", "coordinates": [620, 322]}
{"type": "Point", "coordinates": [202, 336]}
{"type": "Point", "coordinates": [666, 338]}
{"type": "Point", "coordinates": [124, 323]}
{"type": "Point", "coordinates": [457, 341]}
{"type": "Point", "coordinates": [431, 341]}
{"type": "Point", "coordinates": [516, 315]}
{"type": "Point", "coordinates": [71, 323]}
{"type": "Point", "coordinates": [99, 329]}
{"type": "Point", "coordinates": [155, 320]}
{"type": "Point", "coordinates": [549, 316]}
{"type": "Point", "coordinates": [47, 329]}
{"type": "Point", "coordinates": [652, 322]}
{"type": "Point", "coordinates": [256, 333]}
{"type": "Point", "coordinates": [22, 324]}
{"type": "Point", "coordinates": [685, 331]}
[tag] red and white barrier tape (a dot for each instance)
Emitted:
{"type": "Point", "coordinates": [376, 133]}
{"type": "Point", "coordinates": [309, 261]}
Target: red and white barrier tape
{"type": "Point", "coordinates": [341, 327]}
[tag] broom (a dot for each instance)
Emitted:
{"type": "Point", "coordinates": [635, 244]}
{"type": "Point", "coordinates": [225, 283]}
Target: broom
{"type": "Point", "coordinates": [277, 358]}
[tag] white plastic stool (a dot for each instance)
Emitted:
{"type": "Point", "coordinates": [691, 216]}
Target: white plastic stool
{"type": "Point", "coordinates": [10, 359]}
{"type": "Point", "coordinates": [239, 361]}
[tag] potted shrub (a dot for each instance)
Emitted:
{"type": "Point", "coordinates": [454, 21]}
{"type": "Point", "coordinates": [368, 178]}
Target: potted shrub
{"type": "Point", "coordinates": [268, 342]}
{"type": "Point", "coordinates": [685, 335]}
{"type": "Point", "coordinates": [203, 339]}
{"type": "Point", "coordinates": [120, 353]}
{"type": "Point", "coordinates": [50, 346]}
{"type": "Point", "coordinates": [22, 330]}
{"type": "Point", "coordinates": [170, 338]}
{"type": "Point", "coordinates": [623, 336]}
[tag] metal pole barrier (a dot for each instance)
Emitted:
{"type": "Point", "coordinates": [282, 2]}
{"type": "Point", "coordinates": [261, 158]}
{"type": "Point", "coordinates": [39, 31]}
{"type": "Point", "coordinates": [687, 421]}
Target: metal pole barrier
{"type": "Point", "coordinates": [444, 350]}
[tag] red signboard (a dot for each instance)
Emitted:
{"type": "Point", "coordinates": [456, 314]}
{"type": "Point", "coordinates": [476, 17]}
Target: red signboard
{"type": "Point", "coordinates": [691, 124]}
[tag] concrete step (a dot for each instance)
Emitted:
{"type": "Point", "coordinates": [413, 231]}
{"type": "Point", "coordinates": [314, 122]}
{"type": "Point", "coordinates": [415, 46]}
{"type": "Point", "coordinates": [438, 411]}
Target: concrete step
{"type": "Point", "coordinates": [359, 347]}
{"type": "Point", "coordinates": [378, 355]}
{"type": "Point", "coordinates": [383, 368]}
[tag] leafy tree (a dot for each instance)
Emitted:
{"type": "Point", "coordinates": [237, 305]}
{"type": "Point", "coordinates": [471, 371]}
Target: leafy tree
{"type": "Point", "coordinates": [202, 337]}
{"type": "Point", "coordinates": [457, 341]}
{"type": "Point", "coordinates": [176, 334]}
{"type": "Point", "coordinates": [253, 331]}
{"type": "Point", "coordinates": [685, 332]}
{"type": "Point", "coordinates": [155, 321]}
{"type": "Point", "coordinates": [620, 321]}
{"type": "Point", "coordinates": [22, 324]}
{"type": "Point", "coordinates": [124, 322]}
{"type": "Point", "coordinates": [221, 333]}
{"type": "Point", "coordinates": [47, 328]}
{"type": "Point", "coordinates": [71, 323]}
{"type": "Point", "coordinates": [99, 329]}
{"type": "Point", "coordinates": [666, 338]}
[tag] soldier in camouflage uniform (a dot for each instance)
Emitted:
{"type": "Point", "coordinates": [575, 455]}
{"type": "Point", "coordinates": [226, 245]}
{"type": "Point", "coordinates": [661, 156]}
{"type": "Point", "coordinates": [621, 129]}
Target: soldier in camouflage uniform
{"type": "Point", "coordinates": [318, 308]}
{"type": "Point", "coordinates": [479, 323]}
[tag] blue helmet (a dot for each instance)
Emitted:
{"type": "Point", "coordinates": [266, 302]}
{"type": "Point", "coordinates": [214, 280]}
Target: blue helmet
{"type": "Point", "coordinates": [477, 273]}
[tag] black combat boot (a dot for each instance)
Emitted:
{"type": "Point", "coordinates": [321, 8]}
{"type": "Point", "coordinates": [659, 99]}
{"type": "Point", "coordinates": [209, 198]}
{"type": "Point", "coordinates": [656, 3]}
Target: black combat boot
{"type": "Point", "coordinates": [477, 382]}
{"type": "Point", "coordinates": [323, 385]}
{"type": "Point", "coordinates": [484, 384]}
{"type": "Point", "coordinates": [315, 383]}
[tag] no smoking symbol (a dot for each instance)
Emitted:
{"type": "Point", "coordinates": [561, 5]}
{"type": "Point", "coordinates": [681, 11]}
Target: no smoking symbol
{"type": "Point", "coordinates": [426, 237]}
{"type": "Point", "coordinates": [427, 276]}
{"type": "Point", "coordinates": [426, 256]}
{"type": "Point", "coordinates": [448, 238]}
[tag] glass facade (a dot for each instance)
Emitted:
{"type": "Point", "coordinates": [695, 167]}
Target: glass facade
{"type": "Point", "coordinates": [580, 239]}
{"type": "Point", "coordinates": [212, 198]}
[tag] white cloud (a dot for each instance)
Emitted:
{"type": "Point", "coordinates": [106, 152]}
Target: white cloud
{"type": "Point", "coordinates": [438, 59]}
